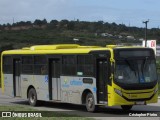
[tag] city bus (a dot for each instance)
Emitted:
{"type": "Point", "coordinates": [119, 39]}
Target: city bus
{"type": "Point", "coordinates": [88, 75]}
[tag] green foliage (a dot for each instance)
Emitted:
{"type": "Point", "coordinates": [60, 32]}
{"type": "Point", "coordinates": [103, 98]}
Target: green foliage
{"type": "Point", "coordinates": [40, 22]}
{"type": "Point", "coordinates": [23, 33]}
{"type": "Point", "coordinates": [22, 23]}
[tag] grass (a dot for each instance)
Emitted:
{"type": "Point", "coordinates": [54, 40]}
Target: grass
{"type": "Point", "coordinates": [54, 115]}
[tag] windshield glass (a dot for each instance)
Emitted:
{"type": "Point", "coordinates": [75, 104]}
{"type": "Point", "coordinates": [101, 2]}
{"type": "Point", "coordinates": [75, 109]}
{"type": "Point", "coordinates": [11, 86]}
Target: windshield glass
{"type": "Point", "coordinates": [135, 71]}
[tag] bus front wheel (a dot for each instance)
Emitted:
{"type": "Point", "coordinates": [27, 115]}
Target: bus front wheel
{"type": "Point", "coordinates": [90, 103]}
{"type": "Point", "coordinates": [32, 97]}
{"type": "Point", "coordinates": [126, 107]}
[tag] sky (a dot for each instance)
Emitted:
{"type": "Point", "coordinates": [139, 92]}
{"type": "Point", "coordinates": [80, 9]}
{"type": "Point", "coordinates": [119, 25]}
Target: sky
{"type": "Point", "coordinates": [128, 12]}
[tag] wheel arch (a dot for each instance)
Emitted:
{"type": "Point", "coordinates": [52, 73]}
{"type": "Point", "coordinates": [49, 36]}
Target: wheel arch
{"type": "Point", "coordinates": [84, 94]}
{"type": "Point", "coordinates": [31, 86]}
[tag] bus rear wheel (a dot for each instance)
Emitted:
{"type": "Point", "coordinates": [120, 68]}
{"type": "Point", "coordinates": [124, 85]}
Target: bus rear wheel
{"type": "Point", "coordinates": [126, 107]}
{"type": "Point", "coordinates": [90, 103]}
{"type": "Point", "coordinates": [32, 97]}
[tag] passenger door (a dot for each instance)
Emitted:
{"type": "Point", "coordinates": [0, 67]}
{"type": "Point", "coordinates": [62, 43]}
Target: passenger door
{"type": "Point", "coordinates": [17, 77]}
{"type": "Point", "coordinates": [54, 79]}
{"type": "Point", "coordinates": [102, 78]}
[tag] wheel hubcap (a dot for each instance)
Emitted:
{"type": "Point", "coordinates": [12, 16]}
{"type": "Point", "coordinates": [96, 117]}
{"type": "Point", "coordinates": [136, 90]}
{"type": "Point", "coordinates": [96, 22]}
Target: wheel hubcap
{"type": "Point", "coordinates": [90, 102]}
{"type": "Point", "coordinates": [32, 98]}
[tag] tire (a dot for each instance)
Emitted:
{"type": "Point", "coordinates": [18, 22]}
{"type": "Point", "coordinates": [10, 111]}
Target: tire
{"type": "Point", "coordinates": [90, 103]}
{"type": "Point", "coordinates": [126, 107]}
{"type": "Point", "coordinates": [32, 97]}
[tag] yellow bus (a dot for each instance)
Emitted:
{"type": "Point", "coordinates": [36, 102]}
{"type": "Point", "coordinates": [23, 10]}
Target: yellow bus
{"type": "Point", "coordinates": [89, 75]}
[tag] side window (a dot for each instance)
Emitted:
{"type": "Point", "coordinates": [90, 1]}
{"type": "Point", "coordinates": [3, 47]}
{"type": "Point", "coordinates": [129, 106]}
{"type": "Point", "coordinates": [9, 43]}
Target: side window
{"type": "Point", "coordinates": [40, 65]}
{"type": "Point", "coordinates": [27, 64]}
{"type": "Point", "coordinates": [69, 65]}
{"type": "Point", "coordinates": [85, 65]}
{"type": "Point", "coordinates": [7, 65]}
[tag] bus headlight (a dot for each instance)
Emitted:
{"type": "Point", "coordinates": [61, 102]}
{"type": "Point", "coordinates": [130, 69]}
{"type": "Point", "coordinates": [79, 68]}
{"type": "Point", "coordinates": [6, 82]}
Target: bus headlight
{"type": "Point", "coordinates": [118, 92]}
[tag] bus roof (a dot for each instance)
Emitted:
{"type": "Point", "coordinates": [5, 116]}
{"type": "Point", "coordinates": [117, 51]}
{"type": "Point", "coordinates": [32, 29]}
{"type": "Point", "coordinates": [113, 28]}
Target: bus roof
{"type": "Point", "coordinates": [55, 49]}
{"type": "Point", "coordinates": [61, 49]}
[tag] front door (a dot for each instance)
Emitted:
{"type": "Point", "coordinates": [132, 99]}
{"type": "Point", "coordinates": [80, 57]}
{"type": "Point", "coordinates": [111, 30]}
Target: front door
{"type": "Point", "coordinates": [102, 78]}
{"type": "Point", "coordinates": [16, 77]}
{"type": "Point", "coordinates": [54, 79]}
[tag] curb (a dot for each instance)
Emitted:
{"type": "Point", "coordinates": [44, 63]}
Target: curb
{"type": "Point", "coordinates": [158, 97]}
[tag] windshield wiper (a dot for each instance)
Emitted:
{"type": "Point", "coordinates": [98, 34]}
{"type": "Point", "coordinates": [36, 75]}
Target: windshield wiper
{"type": "Point", "coordinates": [144, 64]}
{"type": "Point", "coordinates": [130, 66]}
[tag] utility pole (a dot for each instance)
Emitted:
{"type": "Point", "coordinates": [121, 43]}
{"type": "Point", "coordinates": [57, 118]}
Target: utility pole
{"type": "Point", "coordinates": [146, 22]}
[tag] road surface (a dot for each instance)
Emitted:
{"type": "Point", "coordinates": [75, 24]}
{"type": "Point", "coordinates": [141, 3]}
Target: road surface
{"type": "Point", "coordinates": [112, 112]}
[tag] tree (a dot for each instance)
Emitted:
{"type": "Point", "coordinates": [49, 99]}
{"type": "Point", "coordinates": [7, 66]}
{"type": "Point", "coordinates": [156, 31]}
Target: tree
{"type": "Point", "coordinates": [64, 23]}
{"type": "Point", "coordinates": [28, 23]}
{"type": "Point", "coordinates": [1, 27]}
{"type": "Point", "coordinates": [21, 23]}
{"type": "Point", "coordinates": [71, 25]}
{"type": "Point", "coordinates": [53, 23]}
{"type": "Point", "coordinates": [44, 21]}
{"type": "Point", "coordinates": [6, 47]}
{"type": "Point", "coordinates": [8, 25]}
{"type": "Point", "coordinates": [40, 22]}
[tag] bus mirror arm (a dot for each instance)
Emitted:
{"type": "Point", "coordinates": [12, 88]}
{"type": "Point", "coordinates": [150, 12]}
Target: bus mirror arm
{"type": "Point", "coordinates": [111, 73]}
{"type": "Point", "coordinates": [112, 68]}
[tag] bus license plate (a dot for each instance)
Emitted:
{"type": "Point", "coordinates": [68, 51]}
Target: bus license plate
{"type": "Point", "coordinates": [140, 103]}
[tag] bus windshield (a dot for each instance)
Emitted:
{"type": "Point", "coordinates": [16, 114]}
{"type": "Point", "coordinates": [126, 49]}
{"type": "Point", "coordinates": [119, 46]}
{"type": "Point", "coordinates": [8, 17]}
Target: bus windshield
{"type": "Point", "coordinates": [132, 71]}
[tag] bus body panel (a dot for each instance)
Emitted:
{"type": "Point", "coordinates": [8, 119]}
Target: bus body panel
{"type": "Point", "coordinates": [73, 87]}
{"type": "Point", "coordinates": [132, 96]}
{"type": "Point", "coordinates": [40, 84]}
{"type": "Point", "coordinates": [8, 84]}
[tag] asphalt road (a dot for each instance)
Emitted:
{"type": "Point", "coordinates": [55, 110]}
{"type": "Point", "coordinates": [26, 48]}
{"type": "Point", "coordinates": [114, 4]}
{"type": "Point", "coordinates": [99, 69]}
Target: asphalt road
{"type": "Point", "coordinates": [112, 112]}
